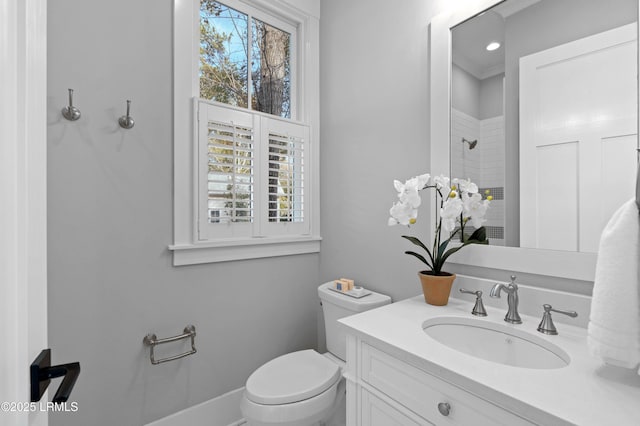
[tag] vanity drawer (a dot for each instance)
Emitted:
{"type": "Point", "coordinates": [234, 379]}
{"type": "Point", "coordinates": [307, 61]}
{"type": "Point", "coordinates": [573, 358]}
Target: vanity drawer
{"type": "Point", "coordinates": [376, 412]}
{"type": "Point", "coordinates": [421, 393]}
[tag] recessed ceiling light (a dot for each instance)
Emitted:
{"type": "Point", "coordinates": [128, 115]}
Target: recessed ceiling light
{"type": "Point", "coordinates": [493, 46]}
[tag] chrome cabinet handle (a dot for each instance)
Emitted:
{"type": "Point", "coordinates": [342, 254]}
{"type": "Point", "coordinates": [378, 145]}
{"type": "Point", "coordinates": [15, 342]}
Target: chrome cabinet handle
{"type": "Point", "coordinates": [444, 408]}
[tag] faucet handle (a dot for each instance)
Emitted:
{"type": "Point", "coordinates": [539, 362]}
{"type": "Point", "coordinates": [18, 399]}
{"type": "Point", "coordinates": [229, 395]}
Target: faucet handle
{"type": "Point", "coordinates": [546, 325]}
{"type": "Point", "coordinates": [478, 308]}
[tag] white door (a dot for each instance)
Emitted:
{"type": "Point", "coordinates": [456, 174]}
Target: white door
{"type": "Point", "coordinates": [578, 139]}
{"type": "Point", "coordinates": [23, 204]}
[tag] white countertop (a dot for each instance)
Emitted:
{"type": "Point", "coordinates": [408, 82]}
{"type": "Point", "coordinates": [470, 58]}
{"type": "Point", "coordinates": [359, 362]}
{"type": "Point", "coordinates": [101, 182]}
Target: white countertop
{"type": "Point", "coordinates": [583, 393]}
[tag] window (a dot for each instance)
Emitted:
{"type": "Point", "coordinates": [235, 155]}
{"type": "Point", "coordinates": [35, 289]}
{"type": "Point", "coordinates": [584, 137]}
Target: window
{"type": "Point", "coordinates": [245, 121]}
{"type": "Point", "coordinates": [245, 61]}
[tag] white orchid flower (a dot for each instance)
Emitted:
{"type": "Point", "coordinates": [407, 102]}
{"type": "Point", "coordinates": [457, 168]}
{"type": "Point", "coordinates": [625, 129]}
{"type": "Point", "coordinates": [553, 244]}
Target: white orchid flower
{"type": "Point", "coordinates": [407, 194]}
{"type": "Point", "coordinates": [399, 186]}
{"type": "Point", "coordinates": [448, 224]}
{"type": "Point", "coordinates": [423, 180]}
{"type": "Point", "coordinates": [408, 191]}
{"type": "Point", "coordinates": [474, 207]}
{"type": "Point", "coordinates": [460, 203]}
{"type": "Point", "coordinates": [403, 214]}
{"type": "Point", "coordinates": [410, 196]}
{"type": "Point", "coordinates": [450, 212]}
{"type": "Point", "coordinates": [442, 184]}
{"type": "Point", "coordinates": [466, 185]}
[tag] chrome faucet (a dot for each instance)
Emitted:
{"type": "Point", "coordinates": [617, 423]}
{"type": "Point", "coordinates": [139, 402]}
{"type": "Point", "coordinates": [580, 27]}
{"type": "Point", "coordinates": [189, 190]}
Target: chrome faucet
{"type": "Point", "coordinates": [512, 299]}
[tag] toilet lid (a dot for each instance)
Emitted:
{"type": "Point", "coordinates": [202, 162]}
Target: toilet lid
{"type": "Point", "coordinates": [291, 378]}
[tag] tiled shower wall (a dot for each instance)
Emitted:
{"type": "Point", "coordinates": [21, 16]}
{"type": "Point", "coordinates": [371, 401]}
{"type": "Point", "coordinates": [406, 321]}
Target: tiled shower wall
{"type": "Point", "coordinates": [484, 164]}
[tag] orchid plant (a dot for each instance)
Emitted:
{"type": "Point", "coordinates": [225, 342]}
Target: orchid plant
{"type": "Point", "coordinates": [459, 204]}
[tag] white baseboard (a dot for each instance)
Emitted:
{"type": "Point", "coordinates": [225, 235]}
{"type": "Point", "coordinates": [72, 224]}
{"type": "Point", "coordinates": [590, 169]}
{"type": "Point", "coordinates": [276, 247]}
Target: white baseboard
{"type": "Point", "coordinates": [220, 411]}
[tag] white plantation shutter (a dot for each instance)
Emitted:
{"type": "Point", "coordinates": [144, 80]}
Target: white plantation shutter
{"type": "Point", "coordinates": [286, 178]}
{"type": "Point", "coordinates": [252, 177]}
{"type": "Point", "coordinates": [226, 155]}
{"type": "Point", "coordinates": [285, 206]}
{"type": "Point", "coordinates": [230, 174]}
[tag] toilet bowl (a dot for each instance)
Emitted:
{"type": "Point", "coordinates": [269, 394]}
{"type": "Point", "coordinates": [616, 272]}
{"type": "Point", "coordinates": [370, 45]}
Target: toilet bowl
{"type": "Point", "coordinates": [297, 389]}
{"type": "Point", "coordinates": [306, 388]}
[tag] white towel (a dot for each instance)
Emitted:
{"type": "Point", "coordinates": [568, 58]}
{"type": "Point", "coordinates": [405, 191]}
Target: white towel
{"type": "Point", "coordinates": [614, 323]}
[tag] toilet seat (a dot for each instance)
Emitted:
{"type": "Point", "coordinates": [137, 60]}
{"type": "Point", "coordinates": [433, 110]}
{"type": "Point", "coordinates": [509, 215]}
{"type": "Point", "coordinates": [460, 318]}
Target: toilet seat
{"type": "Point", "coordinates": [299, 413]}
{"type": "Point", "coordinates": [291, 378]}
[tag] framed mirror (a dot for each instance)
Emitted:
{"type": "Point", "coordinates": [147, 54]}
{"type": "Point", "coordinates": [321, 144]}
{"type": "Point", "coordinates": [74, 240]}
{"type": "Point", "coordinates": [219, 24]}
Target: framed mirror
{"type": "Point", "coordinates": [483, 111]}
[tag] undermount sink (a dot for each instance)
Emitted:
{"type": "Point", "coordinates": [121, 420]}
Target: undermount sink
{"type": "Point", "coordinates": [496, 342]}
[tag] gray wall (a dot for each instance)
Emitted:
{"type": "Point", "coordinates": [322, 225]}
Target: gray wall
{"type": "Point", "coordinates": [491, 97]}
{"type": "Point", "coordinates": [480, 99]}
{"type": "Point", "coordinates": [465, 92]}
{"type": "Point", "coordinates": [375, 126]}
{"type": "Point", "coordinates": [110, 221]}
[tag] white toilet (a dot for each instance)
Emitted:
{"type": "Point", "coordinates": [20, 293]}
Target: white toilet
{"type": "Point", "coordinates": [305, 388]}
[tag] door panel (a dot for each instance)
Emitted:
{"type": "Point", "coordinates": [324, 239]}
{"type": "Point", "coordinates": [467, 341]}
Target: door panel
{"type": "Point", "coordinates": [578, 139]}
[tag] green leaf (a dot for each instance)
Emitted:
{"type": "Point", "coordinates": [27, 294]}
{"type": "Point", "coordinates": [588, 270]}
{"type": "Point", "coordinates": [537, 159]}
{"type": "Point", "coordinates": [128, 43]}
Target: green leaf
{"type": "Point", "coordinates": [417, 242]}
{"type": "Point", "coordinates": [446, 255]}
{"type": "Point", "coordinates": [479, 236]}
{"type": "Point", "coordinates": [420, 257]}
{"type": "Point", "coordinates": [442, 248]}
{"type": "Point", "coordinates": [440, 259]}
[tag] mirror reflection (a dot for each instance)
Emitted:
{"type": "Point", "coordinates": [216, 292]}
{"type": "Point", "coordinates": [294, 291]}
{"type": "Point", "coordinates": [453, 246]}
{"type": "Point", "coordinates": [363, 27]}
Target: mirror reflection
{"type": "Point", "coordinates": [544, 115]}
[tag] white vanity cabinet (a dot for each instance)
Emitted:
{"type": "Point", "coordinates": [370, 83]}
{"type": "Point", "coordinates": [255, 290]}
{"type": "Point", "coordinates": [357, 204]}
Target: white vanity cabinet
{"type": "Point", "coordinates": [385, 390]}
{"type": "Point", "coordinates": [397, 374]}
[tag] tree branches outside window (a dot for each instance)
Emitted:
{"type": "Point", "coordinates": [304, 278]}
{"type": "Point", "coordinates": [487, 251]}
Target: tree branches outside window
{"type": "Point", "coordinates": [228, 66]}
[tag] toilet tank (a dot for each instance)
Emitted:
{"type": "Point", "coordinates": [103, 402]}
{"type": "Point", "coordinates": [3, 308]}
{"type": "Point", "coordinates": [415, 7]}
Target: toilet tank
{"type": "Point", "coordinates": [336, 305]}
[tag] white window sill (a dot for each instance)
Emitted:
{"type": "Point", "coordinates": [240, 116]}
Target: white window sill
{"type": "Point", "coordinates": [254, 248]}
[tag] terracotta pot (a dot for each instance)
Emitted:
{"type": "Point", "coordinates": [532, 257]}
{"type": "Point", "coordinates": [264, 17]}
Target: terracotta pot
{"type": "Point", "coordinates": [436, 288]}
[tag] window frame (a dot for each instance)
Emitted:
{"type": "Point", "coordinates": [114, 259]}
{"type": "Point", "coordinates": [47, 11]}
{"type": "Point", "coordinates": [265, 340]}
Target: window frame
{"type": "Point", "coordinates": [282, 23]}
{"type": "Point", "coordinates": [187, 248]}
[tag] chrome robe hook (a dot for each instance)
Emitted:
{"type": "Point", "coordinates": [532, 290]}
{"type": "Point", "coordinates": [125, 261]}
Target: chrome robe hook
{"type": "Point", "coordinates": [126, 122]}
{"type": "Point", "coordinates": [70, 112]}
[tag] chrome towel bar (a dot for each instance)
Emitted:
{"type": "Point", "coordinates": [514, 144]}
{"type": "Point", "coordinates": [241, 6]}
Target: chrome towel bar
{"type": "Point", "coordinates": [152, 341]}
